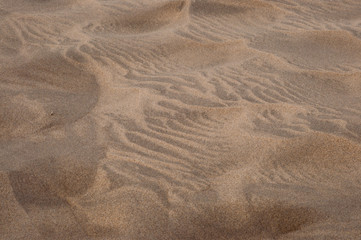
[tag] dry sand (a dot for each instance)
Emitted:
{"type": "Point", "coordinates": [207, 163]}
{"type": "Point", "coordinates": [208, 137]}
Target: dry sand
{"type": "Point", "coordinates": [176, 120]}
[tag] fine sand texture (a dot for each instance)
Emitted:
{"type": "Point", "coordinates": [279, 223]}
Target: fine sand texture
{"type": "Point", "coordinates": [180, 119]}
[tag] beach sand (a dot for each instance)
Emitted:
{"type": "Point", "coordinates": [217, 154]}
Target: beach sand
{"type": "Point", "coordinates": [180, 119]}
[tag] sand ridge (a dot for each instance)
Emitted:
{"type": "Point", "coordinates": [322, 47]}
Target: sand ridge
{"type": "Point", "coordinates": [185, 119]}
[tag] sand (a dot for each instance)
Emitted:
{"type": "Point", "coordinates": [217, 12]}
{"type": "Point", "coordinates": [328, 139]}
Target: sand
{"type": "Point", "coordinates": [182, 119]}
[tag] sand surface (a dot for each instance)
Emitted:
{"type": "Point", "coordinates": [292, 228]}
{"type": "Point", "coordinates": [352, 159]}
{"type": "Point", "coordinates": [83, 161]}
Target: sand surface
{"type": "Point", "coordinates": [180, 119]}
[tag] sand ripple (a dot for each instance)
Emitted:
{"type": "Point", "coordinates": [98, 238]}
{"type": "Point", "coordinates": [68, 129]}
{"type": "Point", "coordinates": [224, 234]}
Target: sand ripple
{"type": "Point", "coordinates": [181, 119]}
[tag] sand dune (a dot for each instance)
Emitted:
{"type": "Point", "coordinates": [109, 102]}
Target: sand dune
{"type": "Point", "coordinates": [185, 119]}
{"type": "Point", "coordinates": [312, 49]}
{"type": "Point", "coordinates": [141, 21]}
{"type": "Point", "coordinates": [44, 93]}
{"type": "Point", "coordinates": [255, 9]}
